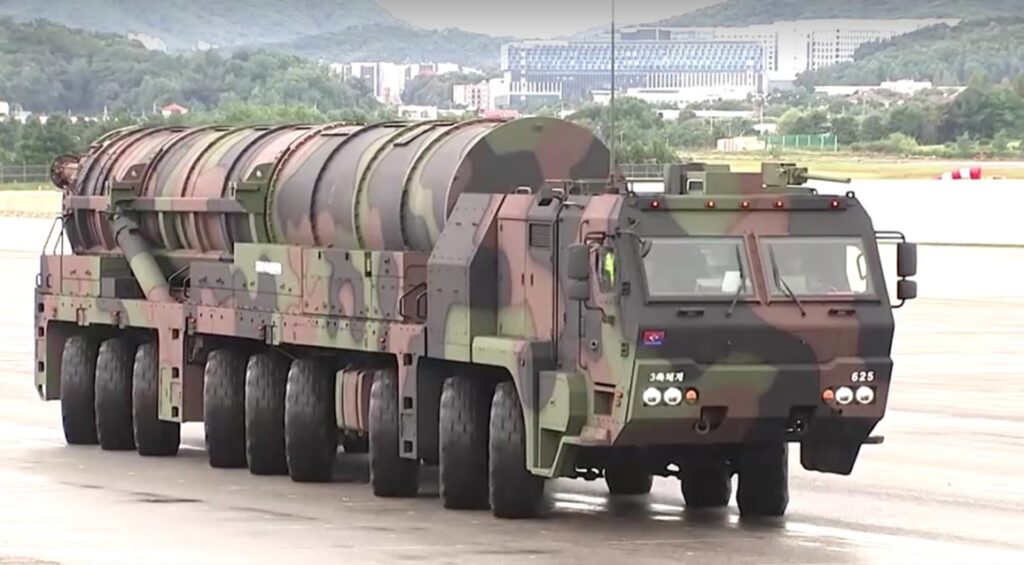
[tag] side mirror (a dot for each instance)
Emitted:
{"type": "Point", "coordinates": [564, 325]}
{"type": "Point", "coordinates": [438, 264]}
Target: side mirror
{"type": "Point", "coordinates": [578, 258]}
{"type": "Point", "coordinates": [906, 259]}
{"type": "Point", "coordinates": [906, 290]}
{"type": "Point", "coordinates": [578, 291]}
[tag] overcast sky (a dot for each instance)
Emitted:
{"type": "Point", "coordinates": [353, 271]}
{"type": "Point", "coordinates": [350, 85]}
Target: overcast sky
{"type": "Point", "coordinates": [534, 18]}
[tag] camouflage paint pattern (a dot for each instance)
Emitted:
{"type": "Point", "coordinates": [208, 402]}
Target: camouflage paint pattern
{"type": "Point", "coordinates": [438, 245]}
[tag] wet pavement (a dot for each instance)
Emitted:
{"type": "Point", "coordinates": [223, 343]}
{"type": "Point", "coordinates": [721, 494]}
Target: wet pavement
{"type": "Point", "coordinates": [947, 486]}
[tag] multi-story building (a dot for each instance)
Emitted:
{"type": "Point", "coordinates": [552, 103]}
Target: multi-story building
{"type": "Point", "coordinates": [387, 80]}
{"type": "Point", "coordinates": [540, 70]}
{"type": "Point", "coordinates": [793, 47]}
{"type": "Point", "coordinates": [482, 96]}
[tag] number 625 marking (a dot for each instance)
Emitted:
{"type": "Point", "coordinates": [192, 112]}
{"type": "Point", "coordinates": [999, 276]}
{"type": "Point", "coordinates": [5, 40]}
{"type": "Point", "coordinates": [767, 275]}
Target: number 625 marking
{"type": "Point", "coordinates": [862, 376]}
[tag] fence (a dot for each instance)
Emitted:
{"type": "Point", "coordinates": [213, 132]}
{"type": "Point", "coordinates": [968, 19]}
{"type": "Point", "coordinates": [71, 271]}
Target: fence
{"type": "Point", "coordinates": [24, 173]}
{"type": "Point", "coordinates": [642, 170]}
{"type": "Point", "coordinates": [805, 142]}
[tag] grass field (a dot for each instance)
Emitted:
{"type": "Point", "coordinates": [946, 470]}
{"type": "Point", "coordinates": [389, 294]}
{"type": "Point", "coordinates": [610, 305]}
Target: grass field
{"type": "Point", "coordinates": [859, 167]}
{"type": "Point", "coordinates": [39, 186]}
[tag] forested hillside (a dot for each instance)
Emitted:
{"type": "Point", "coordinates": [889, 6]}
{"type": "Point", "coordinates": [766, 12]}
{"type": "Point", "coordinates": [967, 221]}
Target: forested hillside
{"type": "Point", "coordinates": [400, 45]}
{"type": "Point", "coordinates": [181, 23]}
{"type": "Point", "coordinates": [48, 68]}
{"type": "Point", "coordinates": [944, 55]}
{"type": "Point", "coordinates": [748, 12]}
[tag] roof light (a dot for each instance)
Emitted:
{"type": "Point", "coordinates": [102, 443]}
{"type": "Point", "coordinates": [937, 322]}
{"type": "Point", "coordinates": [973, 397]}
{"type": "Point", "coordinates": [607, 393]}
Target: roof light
{"type": "Point", "coordinates": [835, 204]}
{"type": "Point", "coordinates": [779, 204]}
{"type": "Point", "coordinates": [655, 204]}
{"type": "Point", "coordinates": [745, 204]}
{"type": "Point", "coordinates": [710, 204]}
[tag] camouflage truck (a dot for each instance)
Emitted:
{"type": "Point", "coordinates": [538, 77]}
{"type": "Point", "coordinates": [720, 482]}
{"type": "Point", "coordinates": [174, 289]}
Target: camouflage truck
{"type": "Point", "coordinates": [481, 296]}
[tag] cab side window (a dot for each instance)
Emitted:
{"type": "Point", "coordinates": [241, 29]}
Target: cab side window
{"type": "Point", "coordinates": [607, 269]}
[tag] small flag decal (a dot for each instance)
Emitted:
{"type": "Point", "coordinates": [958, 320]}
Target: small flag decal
{"type": "Point", "coordinates": [652, 338]}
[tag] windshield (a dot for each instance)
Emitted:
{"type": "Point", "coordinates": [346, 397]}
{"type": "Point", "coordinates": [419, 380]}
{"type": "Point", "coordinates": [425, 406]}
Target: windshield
{"type": "Point", "coordinates": [696, 267]}
{"type": "Point", "coordinates": [816, 266]}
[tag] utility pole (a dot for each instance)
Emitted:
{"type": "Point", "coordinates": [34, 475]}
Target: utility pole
{"type": "Point", "coordinates": [611, 172]}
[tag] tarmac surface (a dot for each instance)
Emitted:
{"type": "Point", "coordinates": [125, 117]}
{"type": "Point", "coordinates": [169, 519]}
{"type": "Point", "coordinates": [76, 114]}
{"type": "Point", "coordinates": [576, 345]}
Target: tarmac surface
{"type": "Point", "coordinates": [947, 486]}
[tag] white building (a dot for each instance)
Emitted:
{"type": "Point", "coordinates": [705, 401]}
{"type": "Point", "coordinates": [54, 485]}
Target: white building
{"type": "Point", "coordinates": [5, 109]}
{"type": "Point", "coordinates": [795, 46]}
{"type": "Point", "coordinates": [482, 96]}
{"type": "Point", "coordinates": [388, 80]}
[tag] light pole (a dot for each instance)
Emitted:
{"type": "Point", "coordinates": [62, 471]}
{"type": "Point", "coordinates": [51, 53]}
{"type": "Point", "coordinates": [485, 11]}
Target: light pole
{"type": "Point", "coordinates": [611, 111]}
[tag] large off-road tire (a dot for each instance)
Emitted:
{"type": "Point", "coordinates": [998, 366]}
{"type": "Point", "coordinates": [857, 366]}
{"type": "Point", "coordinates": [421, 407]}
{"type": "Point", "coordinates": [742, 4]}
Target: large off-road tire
{"type": "Point", "coordinates": [706, 485]}
{"type": "Point", "coordinates": [224, 408]}
{"type": "Point", "coordinates": [266, 380]}
{"type": "Point", "coordinates": [356, 444]}
{"type": "Point", "coordinates": [311, 434]}
{"type": "Point", "coordinates": [626, 475]}
{"type": "Point", "coordinates": [463, 428]}
{"type": "Point", "coordinates": [390, 474]}
{"type": "Point", "coordinates": [114, 394]}
{"type": "Point", "coordinates": [764, 479]}
{"type": "Point", "coordinates": [514, 491]}
{"type": "Point", "coordinates": [78, 390]}
{"type": "Point", "coordinates": [153, 436]}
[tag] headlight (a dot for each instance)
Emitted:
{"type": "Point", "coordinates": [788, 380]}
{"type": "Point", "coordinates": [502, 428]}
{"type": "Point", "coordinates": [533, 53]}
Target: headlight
{"type": "Point", "coordinates": [865, 395]}
{"type": "Point", "coordinates": [844, 395]}
{"type": "Point", "coordinates": [652, 396]}
{"type": "Point", "coordinates": [673, 396]}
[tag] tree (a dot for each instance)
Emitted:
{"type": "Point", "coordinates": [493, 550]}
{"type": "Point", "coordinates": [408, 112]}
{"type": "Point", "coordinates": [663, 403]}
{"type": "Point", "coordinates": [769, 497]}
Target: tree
{"type": "Point", "coordinates": [846, 129]}
{"type": "Point", "coordinates": [873, 128]}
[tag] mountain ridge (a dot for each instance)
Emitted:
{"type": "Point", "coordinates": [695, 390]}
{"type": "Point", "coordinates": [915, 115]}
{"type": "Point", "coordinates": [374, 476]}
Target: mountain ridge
{"type": "Point", "coordinates": [751, 12]}
{"type": "Point", "coordinates": [181, 24]}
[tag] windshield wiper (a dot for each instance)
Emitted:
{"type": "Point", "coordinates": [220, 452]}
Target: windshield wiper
{"type": "Point", "coordinates": [782, 282]}
{"type": "Point", "coordinates": [743, 283]}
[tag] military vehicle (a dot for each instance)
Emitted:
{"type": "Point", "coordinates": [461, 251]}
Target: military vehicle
{"type": "Point", "coordinates": [482, 296]}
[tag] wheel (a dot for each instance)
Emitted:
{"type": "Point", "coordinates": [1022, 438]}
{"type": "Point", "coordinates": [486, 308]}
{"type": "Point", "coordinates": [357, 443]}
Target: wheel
{"type": "Point", "coordinates": [266, 380]}
{"type": "Point", "coordinates": [624, 479]}
{"type": "Point", "coordinates": [514, 491]}
{"type": "Point", "coordinates": [391, 475]}
{"type": "Point", "coordinates": [462, 441]}
{"type": "Point", "coordinates": [78, 390]}
{"type": "Point", "coordinates": [356, 444]}
{"type": "Point", "coordinates": [764, 480]}
{"type": "Point", "coordinates": [707, 485]}
{"type": "Point", "coordinates": [224, 408]}
{"type": "Point", "coordinates": [114, 366]}
{"type": "Point", "coordinates": [310, 431]}
{"type": "Point", "coordinates": [153, 436]}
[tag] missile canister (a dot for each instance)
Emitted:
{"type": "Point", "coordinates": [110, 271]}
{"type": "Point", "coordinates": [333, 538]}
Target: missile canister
{"type": "Point", "coordinates": [388, 186]}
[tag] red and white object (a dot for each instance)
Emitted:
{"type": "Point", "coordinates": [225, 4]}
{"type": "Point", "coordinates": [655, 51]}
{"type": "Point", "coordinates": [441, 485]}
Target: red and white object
{"type": "Point", "coordinates": [965, 173]}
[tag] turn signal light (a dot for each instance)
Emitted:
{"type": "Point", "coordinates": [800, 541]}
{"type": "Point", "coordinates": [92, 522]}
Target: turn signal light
{"type": "Point", "coordinates": [691, 396]}
{"type": "Point", "coordinates": [827, 395]}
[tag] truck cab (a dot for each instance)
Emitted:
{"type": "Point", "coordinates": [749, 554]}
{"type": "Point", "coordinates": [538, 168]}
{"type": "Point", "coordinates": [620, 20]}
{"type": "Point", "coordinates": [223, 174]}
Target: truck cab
{"type": "Point", "coordinates": [724, 318]}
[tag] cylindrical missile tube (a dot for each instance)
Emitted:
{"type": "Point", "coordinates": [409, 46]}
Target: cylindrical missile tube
{"type": "Point", "coordinates": [387, 186]}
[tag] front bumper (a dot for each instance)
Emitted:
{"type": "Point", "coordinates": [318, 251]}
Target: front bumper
{"type": "Point", "coordinates": [739, 404]}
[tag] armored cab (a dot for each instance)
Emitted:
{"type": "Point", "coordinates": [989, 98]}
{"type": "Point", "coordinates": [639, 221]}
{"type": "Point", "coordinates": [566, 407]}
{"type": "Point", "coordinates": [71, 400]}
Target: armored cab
{"type": "Point", "coordinates": [482, 296]}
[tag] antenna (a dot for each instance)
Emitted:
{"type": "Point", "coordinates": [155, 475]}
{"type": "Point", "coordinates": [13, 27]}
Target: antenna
{"type": "Point", "coordinates": [611, 171]}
